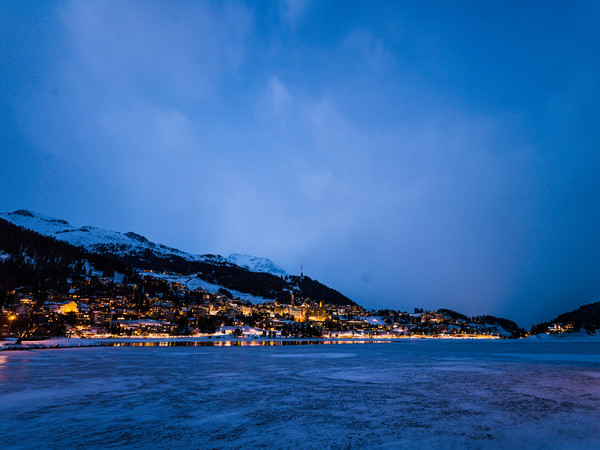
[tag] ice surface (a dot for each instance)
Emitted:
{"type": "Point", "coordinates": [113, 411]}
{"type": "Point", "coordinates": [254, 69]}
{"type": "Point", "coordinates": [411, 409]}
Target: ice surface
{"type": "Point", "coordinates": [425, 393]}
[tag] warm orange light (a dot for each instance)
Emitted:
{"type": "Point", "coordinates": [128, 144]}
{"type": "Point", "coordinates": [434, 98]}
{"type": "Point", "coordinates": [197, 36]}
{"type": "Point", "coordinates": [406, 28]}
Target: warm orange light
{"type": "Point", "coordinates": [12, 317]}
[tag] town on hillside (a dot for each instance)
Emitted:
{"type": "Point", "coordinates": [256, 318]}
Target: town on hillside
{"type": "Point", "coordinates": [148, 306]}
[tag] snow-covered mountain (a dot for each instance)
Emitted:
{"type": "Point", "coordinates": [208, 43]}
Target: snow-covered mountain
{"type": "Point", "coordinates": [98, 240]}
{"type": "Point", "coordinates": [255, 264]}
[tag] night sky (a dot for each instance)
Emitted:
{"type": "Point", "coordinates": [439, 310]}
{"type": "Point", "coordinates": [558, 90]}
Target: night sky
{"type": "Point", "coordinates": [423, 154]}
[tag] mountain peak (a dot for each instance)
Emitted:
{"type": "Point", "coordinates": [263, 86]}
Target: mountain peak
{"type": "Point", "coordinates": [22, 212]}
{"type": "Point", "coordinates": [137, 237]}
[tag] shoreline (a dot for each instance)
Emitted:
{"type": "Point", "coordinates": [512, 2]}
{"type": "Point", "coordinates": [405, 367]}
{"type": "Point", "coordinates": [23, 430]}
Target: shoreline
{"type": "Point", "coordinates": [224, 340]}
{"type": "Point", "coordinates": [229, 340]}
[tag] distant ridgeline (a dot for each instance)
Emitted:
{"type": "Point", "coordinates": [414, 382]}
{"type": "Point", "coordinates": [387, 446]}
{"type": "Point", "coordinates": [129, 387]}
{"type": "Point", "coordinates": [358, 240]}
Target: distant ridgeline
{"type": "Point", "coordinates": [584, 318]}
{"type": "Point", "coordinates": [507, 324]}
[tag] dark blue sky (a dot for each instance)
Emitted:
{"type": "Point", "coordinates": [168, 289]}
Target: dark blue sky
{"type": "Point", "coordinates": [430, 154]}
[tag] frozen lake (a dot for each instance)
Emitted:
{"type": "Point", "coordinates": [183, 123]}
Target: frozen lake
{"type": "Point", "coordinates": [425, 393]}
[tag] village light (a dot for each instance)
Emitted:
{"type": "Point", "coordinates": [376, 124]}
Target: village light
{"type": "Point", "coordinates": [10, 318]}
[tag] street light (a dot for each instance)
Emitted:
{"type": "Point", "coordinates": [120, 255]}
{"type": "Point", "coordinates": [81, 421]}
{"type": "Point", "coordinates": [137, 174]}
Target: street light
{"type": "Point", "coordinates": [10, 318]}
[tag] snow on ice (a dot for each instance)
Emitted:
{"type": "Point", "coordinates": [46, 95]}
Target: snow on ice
{"type": "Point", "coordinates": [426, 393]}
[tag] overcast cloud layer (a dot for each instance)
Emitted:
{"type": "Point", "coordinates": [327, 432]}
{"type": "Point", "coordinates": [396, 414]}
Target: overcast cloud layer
{"type": "Point", "coordinates": [416, 155]}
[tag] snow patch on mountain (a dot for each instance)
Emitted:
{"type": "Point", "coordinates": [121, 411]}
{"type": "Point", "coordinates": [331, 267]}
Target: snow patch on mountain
{"type": "Point", "coordinates": [193, 283]}
{"type": "Point", "coordinates": [93, 239]}
{"type": "Point", "coordinates": [98, 240]}
{"type": "Point", "coordinates": [256, 264]}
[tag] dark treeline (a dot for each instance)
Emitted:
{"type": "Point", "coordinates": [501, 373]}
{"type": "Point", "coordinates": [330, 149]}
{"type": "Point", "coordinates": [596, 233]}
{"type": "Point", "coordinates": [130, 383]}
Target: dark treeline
{"type": "Point", "coordinates": [508, 325]}
{"type": "Point", "coordinates": [40, 263]}
{"type": "Point", "coordinates": [240, 279]}
{"type": "Point", "coordinates": [586, 317]}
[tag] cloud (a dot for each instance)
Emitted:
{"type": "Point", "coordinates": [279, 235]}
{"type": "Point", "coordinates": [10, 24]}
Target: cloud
{"type": "Point", "coordinates": [279, 99]}
{"type": "Point", "coordinates": [293, 11]}
{"type": "Point", "coordinates": [405, 199]}
{"type": "Point", "coordinates": [395, 173]}
{"type": "Point", "coordinates": [127, 49]}
{"type": "Point", "coordinates": [128, 103]}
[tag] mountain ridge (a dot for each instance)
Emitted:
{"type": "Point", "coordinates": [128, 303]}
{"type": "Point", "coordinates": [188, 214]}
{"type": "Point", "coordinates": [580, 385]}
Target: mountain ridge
{"type": "Point", "coordinates": [25, 250]}
{"type": "Point", "coordinates": [100, 240]}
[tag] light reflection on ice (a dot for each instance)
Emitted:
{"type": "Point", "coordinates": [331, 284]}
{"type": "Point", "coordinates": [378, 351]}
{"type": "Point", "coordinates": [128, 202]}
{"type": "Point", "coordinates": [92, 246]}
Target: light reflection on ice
{"type": "Point", "coordinates": [431, 393]}
{"type": "Point", "coordinates": [315, 355]}
{"type": "Point", "coordinates": [3, 361]}
{"type": "Point", "coordinates": [240, 343]}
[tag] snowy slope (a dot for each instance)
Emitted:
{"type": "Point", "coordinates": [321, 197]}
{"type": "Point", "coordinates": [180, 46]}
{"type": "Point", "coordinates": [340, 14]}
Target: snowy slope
{"type": "Point", "coordinates": [98, 240]}
{"type": "Point", "coordinates": [255, 264]}
{"type": "Point", "coordinates": [91, 238]}
{"type": "Point", "coordinates": [193, 283]}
